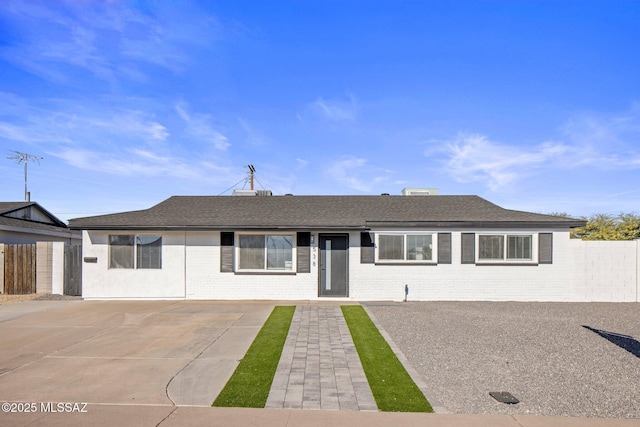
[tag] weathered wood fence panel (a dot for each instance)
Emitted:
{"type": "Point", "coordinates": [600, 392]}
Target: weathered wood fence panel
{"type": "Point", "coordinates": [73, 270]}
{"type": "Point", "coordinates": [19, 269]}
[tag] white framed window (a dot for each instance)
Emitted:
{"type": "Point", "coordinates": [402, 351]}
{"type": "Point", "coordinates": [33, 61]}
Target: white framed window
{"type": "Point", "coordinates": [143, 251]}
{"type": "Point", "coordinates": [265, 252]}
{"type": "Point", "coordinates": [505, 247]}
{"type": "Point", "coordinates": [396, 247]}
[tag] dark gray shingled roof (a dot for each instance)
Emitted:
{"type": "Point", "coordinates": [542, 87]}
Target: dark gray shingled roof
{"type": "Point", "coordinates": [30, 225]}
{"type": "Point", "coordinates": [318, 212]}
{"type": "Point", "coordinates": [13, 206]}
{"type": "Point", "coordinates": [6, 208]}
{"type": "Point", "coordinates": [10, 223]}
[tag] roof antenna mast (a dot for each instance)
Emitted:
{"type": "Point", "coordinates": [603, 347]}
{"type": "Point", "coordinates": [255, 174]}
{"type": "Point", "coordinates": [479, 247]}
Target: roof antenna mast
{"type": "Point", "coordinates": [21, 158]}
{"type": "Point", "coordinates": [252, 170]}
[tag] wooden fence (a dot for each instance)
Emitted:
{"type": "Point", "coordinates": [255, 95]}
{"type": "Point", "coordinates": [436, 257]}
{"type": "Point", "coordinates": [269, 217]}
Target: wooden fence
{"type": "Point", "coordinates": [72, 270]}
{"type": "Point", "coordinates": [19, 269]}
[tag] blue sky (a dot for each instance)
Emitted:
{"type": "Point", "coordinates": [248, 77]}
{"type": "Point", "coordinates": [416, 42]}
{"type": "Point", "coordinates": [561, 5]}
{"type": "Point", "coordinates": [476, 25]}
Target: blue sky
{"type": "Point", "coordinates": [533, 105]}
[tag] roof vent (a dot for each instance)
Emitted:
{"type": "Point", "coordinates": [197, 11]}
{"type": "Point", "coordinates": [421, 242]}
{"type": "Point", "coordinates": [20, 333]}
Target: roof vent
{"type": "Point", "coordinates": [419, 191]}
{"type": "Point", "coordinates": [245, 192]}
{"type": "Point", "coordinates": [384, 194]}
{"type": "Point", "coordinates": [252, 193]}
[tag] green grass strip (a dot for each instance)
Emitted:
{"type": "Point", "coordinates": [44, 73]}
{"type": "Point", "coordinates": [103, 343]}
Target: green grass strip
{"type": "Point", "coordinates": [249, 385]}
{"type": "Point", "coordinates": [391, 385]}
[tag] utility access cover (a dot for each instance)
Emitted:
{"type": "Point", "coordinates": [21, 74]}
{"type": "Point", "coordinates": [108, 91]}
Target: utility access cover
{"type": "Point", "coordinates": [504, 397]}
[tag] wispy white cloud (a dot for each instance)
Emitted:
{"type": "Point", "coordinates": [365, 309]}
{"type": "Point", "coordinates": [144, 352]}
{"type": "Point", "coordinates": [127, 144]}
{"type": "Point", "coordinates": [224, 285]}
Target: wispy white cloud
{"type": "Point", "coordinates": [599, 141]}
{"type": "Point", "coordinates": [301, 164]}
{"type": "Point", "coordinates": [253, 136]}
{"type": "Point", "coordinates": [128, 163]}
{"type": "Point", "coordinates": [200, 126]}
{"type": "Point", "coordinates": [111, 40]}
{"type": "Point", "coordinates": [334, 110]}
{"type": "Point", "coordinates": [352, 172]}
{"type": "Point", "coordinates": [472, 158]}
{"type": "Point", "coordinates": [113, 139]}
{"type": "Point", "coordinates": [606, 141]}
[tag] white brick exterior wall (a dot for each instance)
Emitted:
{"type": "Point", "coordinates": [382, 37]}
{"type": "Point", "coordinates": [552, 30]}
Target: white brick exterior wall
{"type": "Point", "coordinates": [99, 281]}
{"type": "Point", "coordinates": [191, 270]}
{"type": "Point", "coordinates": [460, 282]}
{"type": "Point", "coordinates": [205, 281]}
{"type": "Point", "coordinates": [605, 270]}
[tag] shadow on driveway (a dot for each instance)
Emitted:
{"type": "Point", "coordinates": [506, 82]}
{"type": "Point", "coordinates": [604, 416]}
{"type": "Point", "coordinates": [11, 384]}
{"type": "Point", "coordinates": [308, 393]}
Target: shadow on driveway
{"type": "Point", "coordinates": [623, 341]}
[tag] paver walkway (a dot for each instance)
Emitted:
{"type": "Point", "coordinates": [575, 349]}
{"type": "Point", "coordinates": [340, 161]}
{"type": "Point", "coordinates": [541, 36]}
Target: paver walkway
{"type": "Point", "coordinates": [319, 367]}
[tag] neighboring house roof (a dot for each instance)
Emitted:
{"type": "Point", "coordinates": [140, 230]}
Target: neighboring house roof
{"type": "Point", "coordinates": [23, 225]}
{"type": "Point", "coordinates": [23, 210]}
{"type": "Point", "coordinates": [30, 217]}
{"type": "Point", "coordinates": [319, 212]}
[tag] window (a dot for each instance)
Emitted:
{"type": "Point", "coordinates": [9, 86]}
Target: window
{"type": "Point", "coordinates": [121, 251]}
{"type": "Point", "coordinates": [493, 248]}
{"type": "Point", "coordinates": [405, 247]}
{"type": "Point", "coordinates": [130, 251]}
{"type": "Point", "coordinates": [265, 252]}
{"type": "Point", "coordinates": [149, 251]}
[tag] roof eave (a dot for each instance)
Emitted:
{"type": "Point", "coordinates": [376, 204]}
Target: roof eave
{"type": "Point", "coordinates": [216, 227]}
{"type": "Point", "coordinates": [366, 226]}
{"type": "Point", "coordinates": [478, 224]}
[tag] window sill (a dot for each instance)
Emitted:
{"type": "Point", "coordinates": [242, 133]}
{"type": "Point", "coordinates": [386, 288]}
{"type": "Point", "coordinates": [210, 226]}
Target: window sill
{"type": "Point", "coordinates": [265, 273]}
{"type": "Point", "coordinates": [427, 263]}
{"type": "Point", "coordinates": [509, 264]}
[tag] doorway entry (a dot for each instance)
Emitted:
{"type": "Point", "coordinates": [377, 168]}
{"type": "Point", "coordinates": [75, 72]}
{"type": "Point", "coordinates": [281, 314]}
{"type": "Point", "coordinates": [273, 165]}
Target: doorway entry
{"type": "Point", "coordinates": [334, 265]}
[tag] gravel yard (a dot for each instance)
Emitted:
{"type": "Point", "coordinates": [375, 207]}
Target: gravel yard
{"type": "Point", "coordinates": [11, 299]}
{"type": "Point", "coordinates": [542, 353]}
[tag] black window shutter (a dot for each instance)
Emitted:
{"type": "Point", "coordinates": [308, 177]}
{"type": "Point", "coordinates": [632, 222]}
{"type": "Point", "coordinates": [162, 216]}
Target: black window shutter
{"type": "Point", "coordinates": [303, 240]}
{"type": "Point", "coordinates": [226, 251]}
{"type": "Point", "coordinates": [444, 248]}
{"type": "Point", "coordinates": [545, 248]}
{"type": "Point", "coordinates": [468, 248]}
{"type": "Point", "coordinates": [367, 248]}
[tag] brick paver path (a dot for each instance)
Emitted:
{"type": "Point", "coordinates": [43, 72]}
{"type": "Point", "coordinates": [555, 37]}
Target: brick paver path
{"type": "Point", "coordinates": [319, 367]}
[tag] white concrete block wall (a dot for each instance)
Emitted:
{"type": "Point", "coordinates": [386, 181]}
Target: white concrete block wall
{"type": "Point", "coordinates": [57, 268]}
{"type": "Point", "coordinates": [191, 269]}
{"type": "Point", "coordinates": [604, 270]}
{"type": "Point", "coordinates": [99, 281]}
{"type": "Point", "coordinates": [460, 282]}
{"type": "Point", "coordinates": [43, 267]}
{"type": "Point", "coordinates": [205, 281]}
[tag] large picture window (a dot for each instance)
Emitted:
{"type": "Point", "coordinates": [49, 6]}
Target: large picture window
{"type": "Point", "coordinates": [405, 247]}
{"type": "Point", "coordinates": [135, 251]}
{"type": "Point", "coordinates": [265, 252]}
{"type": "Point", "coordinates": [501, 247]}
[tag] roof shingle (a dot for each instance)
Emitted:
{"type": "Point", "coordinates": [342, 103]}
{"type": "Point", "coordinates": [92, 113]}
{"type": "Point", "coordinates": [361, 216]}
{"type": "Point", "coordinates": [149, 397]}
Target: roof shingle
{"type": "Point", "coordinates": [319, 212]}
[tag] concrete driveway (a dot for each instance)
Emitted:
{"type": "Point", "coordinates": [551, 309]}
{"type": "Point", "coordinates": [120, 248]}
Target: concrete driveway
{"type": "Point", "coordinates": [123, 352]}
{"type": "Point", "coordinates": [161, 363]}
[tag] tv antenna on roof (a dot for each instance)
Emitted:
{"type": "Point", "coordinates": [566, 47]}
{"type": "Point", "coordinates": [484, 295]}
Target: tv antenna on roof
{"type": "Point", "coordinates": [252, 171]}
{"type": "Point", "coordinates": [21, 158]}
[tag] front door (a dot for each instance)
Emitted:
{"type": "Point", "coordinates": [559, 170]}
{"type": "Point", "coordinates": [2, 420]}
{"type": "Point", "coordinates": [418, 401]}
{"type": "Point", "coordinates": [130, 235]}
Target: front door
{"type": "Point", "coordinates": [334, 268]}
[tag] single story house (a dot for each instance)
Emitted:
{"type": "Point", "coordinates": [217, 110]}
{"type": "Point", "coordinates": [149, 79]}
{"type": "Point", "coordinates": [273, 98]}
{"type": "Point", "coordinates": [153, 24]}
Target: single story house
{"type": "Point", "coordinates": [28, 222]}
{"type": "Point", "coordinates": [316, 247]}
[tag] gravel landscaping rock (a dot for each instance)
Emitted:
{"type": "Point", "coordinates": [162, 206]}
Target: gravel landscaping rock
{"type": "Point", "coordinates": [11, 299]}
{"type": "Point", "coordinates": [548, 355]}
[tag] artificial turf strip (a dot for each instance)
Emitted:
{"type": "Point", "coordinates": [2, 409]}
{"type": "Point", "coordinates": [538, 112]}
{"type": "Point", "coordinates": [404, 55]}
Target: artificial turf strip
{"type": "Point", "coordinates": [391, 385]}
{"type": "Point", "coordinates": [249, 385]}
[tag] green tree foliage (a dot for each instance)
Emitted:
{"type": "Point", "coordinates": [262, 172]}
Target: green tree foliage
{"type": "Point", "coordinates": [625, 226]}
